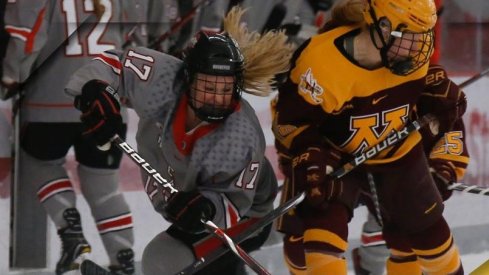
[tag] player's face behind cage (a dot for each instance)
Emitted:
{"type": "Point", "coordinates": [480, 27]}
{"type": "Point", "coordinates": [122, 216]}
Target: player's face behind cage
{"type": "Point", "coordinates": [213, 96]}
{"type": "Point", "coordinates": [403, 32]}
{"type": "Point", "coordinates": [405, 51]}
{"type": "Point", "coordinates": [214, 67]}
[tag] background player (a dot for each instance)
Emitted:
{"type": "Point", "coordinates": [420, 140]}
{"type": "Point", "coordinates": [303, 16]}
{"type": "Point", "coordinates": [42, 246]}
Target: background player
{"type": "Point", "coordinates": [61, 37]}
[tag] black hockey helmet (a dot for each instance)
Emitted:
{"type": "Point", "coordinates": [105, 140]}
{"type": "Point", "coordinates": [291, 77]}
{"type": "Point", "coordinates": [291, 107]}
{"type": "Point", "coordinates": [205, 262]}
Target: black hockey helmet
{"type": "Point", "coordinates": [215, 54]}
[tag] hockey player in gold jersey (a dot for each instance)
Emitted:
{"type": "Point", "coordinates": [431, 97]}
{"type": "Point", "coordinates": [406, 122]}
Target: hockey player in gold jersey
{"type": "Point", "coordinates": [347, 89]}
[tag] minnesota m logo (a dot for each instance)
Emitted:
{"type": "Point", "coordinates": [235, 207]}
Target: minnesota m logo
{"type": "Point", "coordinates": [370, 129]}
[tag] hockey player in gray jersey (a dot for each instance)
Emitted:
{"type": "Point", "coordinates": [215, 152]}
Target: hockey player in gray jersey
{"type": "Point", "coordinates": [196, 130]}
{"type": "Point", "coordinates": [49, 41]}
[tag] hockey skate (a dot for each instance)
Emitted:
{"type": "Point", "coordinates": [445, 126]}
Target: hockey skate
{"type": "Point", "coordinates": [74, 245]}
{"type": "Point", "coordinates": [125, 258]}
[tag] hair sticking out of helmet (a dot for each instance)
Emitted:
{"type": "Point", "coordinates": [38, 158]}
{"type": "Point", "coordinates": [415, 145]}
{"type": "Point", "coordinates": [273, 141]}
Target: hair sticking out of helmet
{"type": "Point", "coordinates": [265, 55]}
{"type": "Point", "coordinates": [220, 66]}
{"type": "Point", "coordinates": [347, 12]}
{"type": "Point", "coordinates": [405, 31]}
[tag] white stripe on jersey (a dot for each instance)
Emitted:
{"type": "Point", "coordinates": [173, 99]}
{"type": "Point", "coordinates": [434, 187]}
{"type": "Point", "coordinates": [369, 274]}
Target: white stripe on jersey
{"type": "Point", "coordinates": [231, 212]}
{"type": "Point", "coordinates": [18, 32]}
{"type": "Point", "coordinates": [111, 60]}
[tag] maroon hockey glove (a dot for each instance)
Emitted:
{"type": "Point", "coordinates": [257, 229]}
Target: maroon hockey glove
{"type": "Point", "coordinates": [310, 171]}
{"type": "Point", "coordinates": [100, 108]}
{"type": "Point", "coordinates": [443, 172]}
{"type": "Point", "coordinates": [188, 210]}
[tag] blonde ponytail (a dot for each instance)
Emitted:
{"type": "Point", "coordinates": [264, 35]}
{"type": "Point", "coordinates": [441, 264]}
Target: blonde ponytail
{"type": "Point", "coordinates": [348, 12]}
{"type": "Point", "coordinates": [265, 55]}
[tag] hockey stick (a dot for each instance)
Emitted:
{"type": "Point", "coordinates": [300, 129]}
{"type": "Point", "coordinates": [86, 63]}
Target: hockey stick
{"type": "Point", "coordinates": [170, 190]}
{"type": "Point", "coordinates": [252, 263]}
{"type": "Point", "coordinates": [483, 269]}
{"type": "Point", "coordinates": [179, 24]}
{"type": "Point", "coordinates": [474, 189]}
{"type": "Point", "coordinates": [473, 79]}
{"type": "Point", "coordinates": [239, 238]}
{"type": "Point", "coordinates": [275, 17]}
{"type": "Point", "coordinates": [391, 139]}
{"type": "Point", "coordinates": [89, 267]}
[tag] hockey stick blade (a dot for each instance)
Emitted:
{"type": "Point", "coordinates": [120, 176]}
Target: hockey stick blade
{"type": "Point", "coordinates": [259, 224]}
{"type": "Point", "coordinates": [89, 267]}
{"type": "Point", "coordinates": [237, 250]}
{"type": "Point", "coordinates": [482, 269]}
{"type": "Point", "coordinates": [474, 189]}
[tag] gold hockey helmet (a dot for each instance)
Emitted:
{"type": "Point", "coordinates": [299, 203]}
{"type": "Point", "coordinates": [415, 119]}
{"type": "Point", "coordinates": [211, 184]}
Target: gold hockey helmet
{"type": "Point", "coordinates": [405, 29]}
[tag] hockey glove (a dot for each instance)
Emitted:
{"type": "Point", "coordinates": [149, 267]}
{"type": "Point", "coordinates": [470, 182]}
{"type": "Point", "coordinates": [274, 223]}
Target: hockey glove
{"type": "Point", "coordinates": [187, 210]}
{"type": "Point", "coordinates": [310, 171]}
{"type": "Point", "coordinates": [100, 106]}
{"type": "Point", "coordinates": [443, 172]}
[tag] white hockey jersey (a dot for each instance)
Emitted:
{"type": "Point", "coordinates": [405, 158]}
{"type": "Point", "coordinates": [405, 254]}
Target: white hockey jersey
{"type": "Point", "coordinates": [226, 162]}
{"type": "Point", "coordinates": [50, 39]}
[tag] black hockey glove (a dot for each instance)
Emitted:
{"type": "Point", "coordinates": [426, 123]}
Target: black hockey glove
{"type": "Point", "coordinates": [443, 172]}
{"type": "Point", "coordinates": [187, 210]}
{"type": "Point", "coordinates": [100, 106]}
{"type": "Point", "coordinates": [310, 171]}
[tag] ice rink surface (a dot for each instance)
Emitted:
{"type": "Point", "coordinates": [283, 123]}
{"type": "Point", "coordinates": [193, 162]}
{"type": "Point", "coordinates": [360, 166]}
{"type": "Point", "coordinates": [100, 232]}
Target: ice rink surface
{"type": "Point", "coordinates": [466, 213]}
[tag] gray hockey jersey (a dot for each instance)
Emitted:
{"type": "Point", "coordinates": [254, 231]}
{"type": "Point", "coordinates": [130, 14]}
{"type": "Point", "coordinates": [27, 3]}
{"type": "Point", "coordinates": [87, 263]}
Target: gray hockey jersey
{"type": "Point", "coordinates": [50, 39]}
{"type": "Point", "coordinates": [226, 162]}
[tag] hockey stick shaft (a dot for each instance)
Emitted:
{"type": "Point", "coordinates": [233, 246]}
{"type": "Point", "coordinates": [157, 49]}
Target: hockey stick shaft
{"type": "Point", "coordinates": [144, 165]}
{"type": "Point", "coordinates": [473, 78]}
{"type": "Point", "coordinates": [474, 189]}
{"type": "Point", "coordinates": [179, 24]}
{"type": "Point", "coordinates": [239, 238]}
{"type": "Point", "coordinates": [482, 269]}
{"type": "Point", "coordinates": [238, 251]}
{"type": "Point", "coordinates": [171, 190]}
{"type": "Point", "coordinates": [392, 139]}
{"type": "Point", "coordinates": [275, 18]}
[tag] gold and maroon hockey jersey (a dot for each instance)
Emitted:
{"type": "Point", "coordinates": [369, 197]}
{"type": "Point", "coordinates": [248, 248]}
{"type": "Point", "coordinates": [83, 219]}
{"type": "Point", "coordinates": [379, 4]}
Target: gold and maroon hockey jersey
{"type": "Point", "coordinates": [328, 98]}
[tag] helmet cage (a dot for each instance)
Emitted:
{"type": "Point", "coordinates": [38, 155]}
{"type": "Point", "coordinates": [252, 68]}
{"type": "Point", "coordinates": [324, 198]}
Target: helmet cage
{"type": "Point", "coordinates": [203, 97]}
{"type": "Point", "coordinates": [215, 55]}
{"type": "Point", "coordinates": [402, 51]}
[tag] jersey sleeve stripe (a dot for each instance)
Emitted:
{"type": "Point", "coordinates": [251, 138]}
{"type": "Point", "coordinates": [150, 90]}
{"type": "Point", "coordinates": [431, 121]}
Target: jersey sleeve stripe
{"type": "Point", "coordinates": [31, 39]}
{"type": "Point", "coordinates": [232, 214]}
{"type": "Point", "coordinates": [18, 32]}
{"type": "Point", "coordinates": [26, 34]}
{"type": "Point", "coordinates": [110, 60]}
